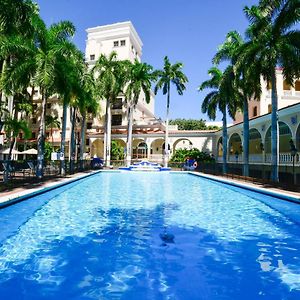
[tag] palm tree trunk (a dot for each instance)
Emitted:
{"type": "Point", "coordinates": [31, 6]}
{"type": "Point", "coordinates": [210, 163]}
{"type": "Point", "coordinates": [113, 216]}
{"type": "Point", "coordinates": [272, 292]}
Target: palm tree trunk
{"type": "Point", "coordinates": [166, 150]}
{"type": "Point", "coordinates": [82, 144]}
{"type": "Point", "coordinates": [2, 96]}
{"type": "Point", "coordinates": [12, 138]}
{"type": "Point", "coordinates": [63, 141]}
{"type": "Point", "coordinates": [41, 140]}
{"type": "Point", "coordinates": [129, 135]}
{"type": "Point", "coordinates": [107, 133]}
{"type": "Point", "coordinates": [73, 141]}
{"type": "Point", "coordinates": [225, 138]}
{"type": "Point", "coordinates": [246, 138]}
{"type": "Point", "coordinates": [51, 132]}
{"type": "Point", "coordinates": [274, 131]}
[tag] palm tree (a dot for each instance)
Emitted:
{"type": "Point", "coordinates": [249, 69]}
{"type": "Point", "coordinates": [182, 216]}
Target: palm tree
{"type": "Point", "coordinates": [54, 50]}
{"type": "Point", "coordinates": [274, 41]}
{"type": "Point", "coordinates": [16, 27]}
{"type": "Point", "coordinates": [140, 78]}
{"type": "Point", "coordinates": [247, 83]}
{"type": "Point", "coordinates": [222, 97]}
{"type": "Point", "coordinates": [68, 89]}
{"type": "Point", "coordinates": [110, 79]}
{"type": "Point", "coordinates": [83, 102]}
{"type": "Point", "coordinates": [171, 74]}
{"type": "Point", "coordinates": [87, 105]}
{"type": "Point", "coordinates": [52, 122]}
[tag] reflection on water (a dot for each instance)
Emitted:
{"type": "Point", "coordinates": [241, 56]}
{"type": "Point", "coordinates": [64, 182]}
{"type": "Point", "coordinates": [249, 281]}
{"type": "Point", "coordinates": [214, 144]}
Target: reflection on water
{"type": "Point", "coordinates": [102, 239]}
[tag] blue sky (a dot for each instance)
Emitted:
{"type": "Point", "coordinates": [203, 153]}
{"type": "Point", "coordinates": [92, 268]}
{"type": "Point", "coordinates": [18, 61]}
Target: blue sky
{"type": "Point", "coordinates": [188, 31]}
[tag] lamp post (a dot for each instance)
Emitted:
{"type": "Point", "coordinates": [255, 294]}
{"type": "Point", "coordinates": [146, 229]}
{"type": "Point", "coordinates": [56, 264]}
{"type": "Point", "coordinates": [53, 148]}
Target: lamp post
{"type": "Point", "coordinates": [293, 154]}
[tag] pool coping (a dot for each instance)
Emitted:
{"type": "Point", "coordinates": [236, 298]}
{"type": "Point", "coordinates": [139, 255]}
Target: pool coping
{"type": "Point", "coordinates": [16, 197]}
{"type": "Point", "coordinates": [265, 191]}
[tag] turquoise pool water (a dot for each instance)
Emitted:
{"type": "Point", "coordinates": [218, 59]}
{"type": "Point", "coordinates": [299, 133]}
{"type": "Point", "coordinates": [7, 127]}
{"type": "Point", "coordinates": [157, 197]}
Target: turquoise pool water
{"type": "Point", "coordinates": [100, 238]}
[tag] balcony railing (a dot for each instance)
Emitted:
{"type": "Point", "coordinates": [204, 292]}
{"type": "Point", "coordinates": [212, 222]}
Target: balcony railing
{"type": "Point", "coordinates": [284, 158]}
{"type": "Point", "coordinates": [287, 92]}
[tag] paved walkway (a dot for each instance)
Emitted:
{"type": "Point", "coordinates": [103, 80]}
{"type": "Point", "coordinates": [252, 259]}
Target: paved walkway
{"type": "Point", "coordinates": [257, 186]}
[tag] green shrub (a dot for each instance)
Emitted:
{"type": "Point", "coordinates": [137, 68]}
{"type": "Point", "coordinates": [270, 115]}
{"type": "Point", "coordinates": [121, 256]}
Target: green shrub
{"type": "Point", "coordinates": [180, 155]}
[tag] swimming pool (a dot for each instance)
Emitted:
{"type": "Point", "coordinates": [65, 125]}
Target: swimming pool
{"type": "Point", "coordinates": [100, 238]}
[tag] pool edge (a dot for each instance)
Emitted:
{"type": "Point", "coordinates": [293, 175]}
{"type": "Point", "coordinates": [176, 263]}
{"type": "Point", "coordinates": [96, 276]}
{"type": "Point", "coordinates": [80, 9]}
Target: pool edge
{"type": "Point", "coordinates": [245, 186]}
{"type": "Point", "coordinates": [19, 198]}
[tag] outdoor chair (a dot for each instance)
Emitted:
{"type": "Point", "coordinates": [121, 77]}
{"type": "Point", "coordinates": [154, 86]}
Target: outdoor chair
{"type": "Point", "coordinates": [7, 167]}
{"type": "Point", "coordinates": [31, 167]}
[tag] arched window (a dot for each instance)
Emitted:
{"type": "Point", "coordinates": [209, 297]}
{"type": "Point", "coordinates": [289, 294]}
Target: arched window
{"type": "Point", "coordinates": [269, 108]}
{"type": "Point", "coordinates": [297, 86]}
{"type": "Point", "coordinates": [254, 111]}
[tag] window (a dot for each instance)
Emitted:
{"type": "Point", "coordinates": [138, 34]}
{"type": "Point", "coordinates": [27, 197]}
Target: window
{"type": "Point", "coordinates": [269, 108]}
{"type": "Point", "coordinates": [33, 135]}
{"type": "Point", "coordinates": [33, 120]}
{"type": "Point", "coordinates": [92, 57]}
{"type": "Point", "coordinates": [117, 104]}
{"type": "Point", "coordinates": [116, 43]}
{"type": "Point", "coordinates": [89, 125]}
{"type": "Point", "coordinates": [254, 111]}
{"type": "Point", "coordinates": [48, 105]}
{"type": "Point", "coordinates": [116, 120]}
{"type": "Point", "coordinates": [269, 85]}
{"type": "Point", "coordinates": [123, 42]}
{"type": "Point", "coordinates": [286, 86]}
{"type": "Point", "coordinates": [87, 142]}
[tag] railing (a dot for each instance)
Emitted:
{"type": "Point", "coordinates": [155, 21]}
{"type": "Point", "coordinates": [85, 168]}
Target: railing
{"type": "Point", "coordinates": [284, 158]}
{"type": "Point", "coordinates": [255, 158]}
{"type": "Point", "coordinates": [287, 93]}
{"type": "Point", "coordinates": [156, 157]}
{"type": "Point", "coordinates": [235, 158]}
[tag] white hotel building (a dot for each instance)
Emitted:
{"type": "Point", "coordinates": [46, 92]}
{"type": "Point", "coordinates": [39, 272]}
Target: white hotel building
{"type": "Point", "coordinates": [148, 131]}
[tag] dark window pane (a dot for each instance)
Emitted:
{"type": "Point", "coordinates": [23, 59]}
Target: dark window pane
{"type": "Point", "coordinates": [116, 120]}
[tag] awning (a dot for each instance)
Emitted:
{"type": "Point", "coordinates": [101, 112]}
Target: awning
{"type": "Point", "coordinates": [30, 151]}
{"type": "Point", "coordinates": [6, 151]}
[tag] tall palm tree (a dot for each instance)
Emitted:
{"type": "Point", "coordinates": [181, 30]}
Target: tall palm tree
{"type": "Point", "coordinates": [16, 26]}
{"type": "Point", "coordinates": [274, 40]}
{"type": "Point", "coordinates": [85, 103]}
{"type": "Point", "coordinates": [223, 98]}
{"type": "Point", "coordinates": [171, 74]}
{"type": "Point", "coordinates": [54, 49]}
{"type": "Point", "coordinates": [110, 81]}
{"type": "Point", "coordinates": [68, 88]}
{"type": "Point", "coordinates": [140, 78]}
{"type": "Point", "coordinates": [247, 83]}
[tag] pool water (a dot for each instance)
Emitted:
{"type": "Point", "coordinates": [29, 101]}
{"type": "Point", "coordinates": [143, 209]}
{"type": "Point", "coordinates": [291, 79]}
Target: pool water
{"type": "Point", "coordinates": [103, 238]}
